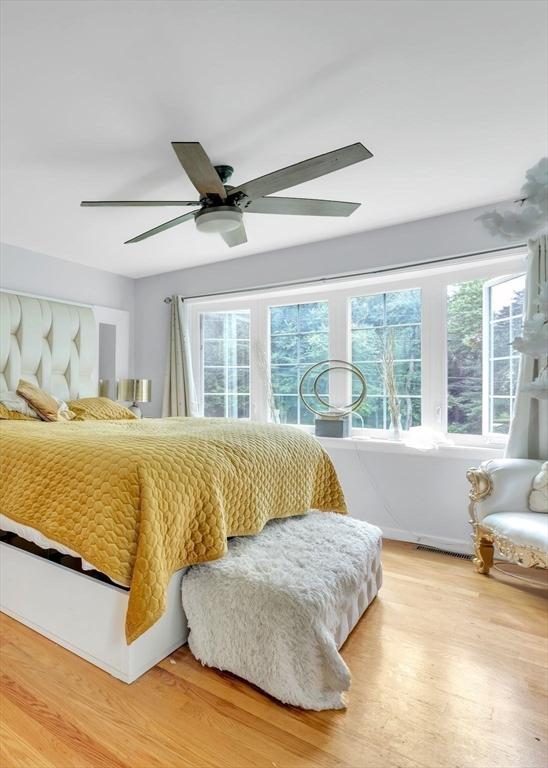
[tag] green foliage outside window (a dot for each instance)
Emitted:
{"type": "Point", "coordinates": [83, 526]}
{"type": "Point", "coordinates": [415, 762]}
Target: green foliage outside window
{"type": "Point", "coordinates": [464, 357]}
{"type": "Point", "coordinates": [373, 317]}
{"type": "Point", "coordinates": [465, 348]}
{"type": "Point", "coordinates": [299, 337]}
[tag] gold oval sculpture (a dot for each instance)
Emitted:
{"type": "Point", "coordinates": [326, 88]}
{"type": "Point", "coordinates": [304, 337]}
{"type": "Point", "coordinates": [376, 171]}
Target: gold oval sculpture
{"type": "Point", "coordinates": [332, 412]}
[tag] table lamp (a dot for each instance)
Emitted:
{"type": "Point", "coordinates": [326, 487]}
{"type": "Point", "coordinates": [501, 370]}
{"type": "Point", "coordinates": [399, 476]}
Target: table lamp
{"type": "Point", "coordinates": [104, 388]}
{"type": "Point", "coordinates": [136, 391]}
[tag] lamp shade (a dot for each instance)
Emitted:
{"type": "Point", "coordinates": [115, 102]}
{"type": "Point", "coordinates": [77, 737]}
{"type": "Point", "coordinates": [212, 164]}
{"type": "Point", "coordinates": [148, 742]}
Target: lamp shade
{"type": "Point", "coordinates": [134, 390]}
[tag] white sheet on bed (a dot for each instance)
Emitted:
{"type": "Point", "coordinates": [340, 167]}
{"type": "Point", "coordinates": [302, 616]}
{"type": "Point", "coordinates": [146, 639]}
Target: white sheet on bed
{"type": "Point", "coordinates": [34, 536]}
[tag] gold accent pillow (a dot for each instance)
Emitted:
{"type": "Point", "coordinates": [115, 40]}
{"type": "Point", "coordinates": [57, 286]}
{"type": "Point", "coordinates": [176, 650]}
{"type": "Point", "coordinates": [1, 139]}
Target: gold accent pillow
{"type": "Point", "coordinates": [98, 409]}
{"type": "Point", "coordinates": [46, 406]}
{"type": "Point", "coordinates": [9, 415]}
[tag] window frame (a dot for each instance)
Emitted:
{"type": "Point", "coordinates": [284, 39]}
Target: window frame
{"type": "Point", "coordinates": [432, 281]}
{"type": "Point", "coordinates": [371, 430]}
{"type": "Point", "coordinates": [297, 334]}
{"type": "Point", "coordinates": [202, 366]}
{"type": "Point", "coordinates": [488, 324]}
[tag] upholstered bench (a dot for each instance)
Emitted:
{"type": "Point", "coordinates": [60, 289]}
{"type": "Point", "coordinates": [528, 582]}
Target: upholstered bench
{"type": "Point", "coordinates": [279, 605]}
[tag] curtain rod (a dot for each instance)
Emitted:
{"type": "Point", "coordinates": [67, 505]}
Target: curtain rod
{"type": "Point", "coordinates": [347, 276]}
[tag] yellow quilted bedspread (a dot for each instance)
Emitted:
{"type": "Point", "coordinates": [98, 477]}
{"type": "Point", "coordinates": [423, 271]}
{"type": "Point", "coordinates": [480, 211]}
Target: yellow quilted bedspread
{"type": "Point", "coordinates": [140, 499]}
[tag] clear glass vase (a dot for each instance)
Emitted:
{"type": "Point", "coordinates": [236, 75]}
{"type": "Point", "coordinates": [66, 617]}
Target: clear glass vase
{"type": "Point", "coordinates": [395, 430]}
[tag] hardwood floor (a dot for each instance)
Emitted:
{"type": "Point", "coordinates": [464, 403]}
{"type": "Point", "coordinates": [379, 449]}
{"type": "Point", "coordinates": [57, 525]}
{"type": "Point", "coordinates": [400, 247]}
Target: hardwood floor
{"type": "Point", "coordinates": [449, 670]}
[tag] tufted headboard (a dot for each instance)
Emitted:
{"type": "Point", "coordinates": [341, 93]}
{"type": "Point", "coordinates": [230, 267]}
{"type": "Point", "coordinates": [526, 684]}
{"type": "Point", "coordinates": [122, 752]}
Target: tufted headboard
{"type": "Point", "coordinates": [48, 343]}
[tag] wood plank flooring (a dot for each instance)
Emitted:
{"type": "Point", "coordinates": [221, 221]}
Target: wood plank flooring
{"type": "Point", "coordinates": [449, 670]}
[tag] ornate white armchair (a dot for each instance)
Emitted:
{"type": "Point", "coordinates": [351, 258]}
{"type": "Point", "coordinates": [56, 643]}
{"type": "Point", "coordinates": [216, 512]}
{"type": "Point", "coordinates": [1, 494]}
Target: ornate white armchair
{"type": "Point", "coordinates": [501, 517]}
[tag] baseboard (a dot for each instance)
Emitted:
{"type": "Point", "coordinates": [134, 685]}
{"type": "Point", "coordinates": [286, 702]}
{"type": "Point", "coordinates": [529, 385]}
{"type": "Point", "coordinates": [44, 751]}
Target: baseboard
{"type": "Point", "coordinates": [452, 545]}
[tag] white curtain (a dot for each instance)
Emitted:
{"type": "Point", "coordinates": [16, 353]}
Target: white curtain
{"type": "Point", "coordinates": [529, 428]}
{"type": "Point", "coordinates": [179, 391]}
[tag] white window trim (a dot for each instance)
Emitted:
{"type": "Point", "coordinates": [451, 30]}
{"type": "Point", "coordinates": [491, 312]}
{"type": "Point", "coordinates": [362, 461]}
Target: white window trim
{"type": "Point", "coordinates": [330, 337]}
{"type": "Point", "coordinates": [432, 281]}
{"type": "Point", "coordinates": [486, 394]}
{"type": "Point", "coordinates": [197, 361]}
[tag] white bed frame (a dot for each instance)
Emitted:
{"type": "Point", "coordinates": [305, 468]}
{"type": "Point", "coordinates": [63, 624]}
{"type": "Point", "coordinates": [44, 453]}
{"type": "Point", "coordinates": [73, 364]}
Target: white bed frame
{"type": "Point", "coordinates": [54, 344]}
{"type": "Point", "coordinates": [85, 615]}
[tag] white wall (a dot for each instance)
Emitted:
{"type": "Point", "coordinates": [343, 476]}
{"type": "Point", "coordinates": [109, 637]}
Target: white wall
{"type": "Point", "coordinates": [410, 495]}
{"type": "Point", "coordinates": [42, 275]}
{"type": "Point", "coordinates": [36, 273]}
{"type": "Point", "coordinates": [435, 238]}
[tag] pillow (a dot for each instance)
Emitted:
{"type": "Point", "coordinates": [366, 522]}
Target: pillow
{"type": "Point", "coordinates": [64, 412]}
{"type": "Point", "coordinates": [15, 407]}
{"type": "Point", "coordinates": [47, 407]}
{"type": "Point", "coordinates": [98, 408]}
{"type": "Point", "coordinates": [538, 498]}
{"type": "Point", "coordinates": [9, 415]}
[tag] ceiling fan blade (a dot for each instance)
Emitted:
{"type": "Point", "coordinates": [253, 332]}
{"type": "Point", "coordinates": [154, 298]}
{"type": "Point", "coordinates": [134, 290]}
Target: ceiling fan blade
{"type": "Point", "coordinates": [104, 203]}
{"type": "Point", "coordinates": [162, 227]}
{"type": "Point", "coordinates": [198, 168]}
{"type": "Point", "coordinates": [304, 171]}
{"type": "Point", "coordinates": [235, 236]}
{"type": "Point", "coordinates": [298, 206]}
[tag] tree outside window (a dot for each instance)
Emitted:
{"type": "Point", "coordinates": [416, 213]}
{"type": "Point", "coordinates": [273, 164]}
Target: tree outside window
{"type": "Point", "coordinates": [483, 317]}
{"type": "Point", "coordinates": [299, 337]}
{"type": "Point", "coordinates": [397, 313]}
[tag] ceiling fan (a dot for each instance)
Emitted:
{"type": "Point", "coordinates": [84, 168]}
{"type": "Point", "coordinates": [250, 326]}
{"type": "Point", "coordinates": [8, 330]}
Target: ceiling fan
{"type": "Point", "coordinates": [221, 206]}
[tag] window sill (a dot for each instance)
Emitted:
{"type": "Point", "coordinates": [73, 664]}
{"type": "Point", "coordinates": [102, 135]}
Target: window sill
{"type": "Point", "coordinates": [479, 452]}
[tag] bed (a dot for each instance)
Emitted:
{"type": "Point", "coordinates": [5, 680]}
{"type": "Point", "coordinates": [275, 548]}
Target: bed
{"type": "Point", "coordinates": [168, 493]}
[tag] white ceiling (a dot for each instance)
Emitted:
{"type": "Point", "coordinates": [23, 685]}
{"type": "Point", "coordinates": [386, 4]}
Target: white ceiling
{"type": "Point", "coordinates": [449, 96]}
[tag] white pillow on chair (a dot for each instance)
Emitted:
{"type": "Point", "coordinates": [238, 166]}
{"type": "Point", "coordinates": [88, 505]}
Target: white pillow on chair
{"type": "Point", "coordinates": [538, 498]}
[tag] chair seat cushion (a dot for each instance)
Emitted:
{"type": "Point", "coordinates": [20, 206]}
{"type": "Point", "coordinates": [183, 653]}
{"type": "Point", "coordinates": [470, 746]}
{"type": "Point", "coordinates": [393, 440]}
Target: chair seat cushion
{"type": "Point", "coordinates": [529, 529]}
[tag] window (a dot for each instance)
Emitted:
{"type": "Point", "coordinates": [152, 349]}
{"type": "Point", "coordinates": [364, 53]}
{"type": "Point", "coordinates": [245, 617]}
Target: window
{"type": "Point", "coordinates": [392, 319]}
{"type": "Point", "coordinates": [299, 337]}
{"type": "Point", "coordinates": [465, 357]}
{"type": "Point", "coordinates": [450, 326]}
{"type": "Point", "coordinates": [504, 309]}
{"type": "Point", "coordinates": [482, 377]}
{"type": "Point", "coordinates": [225, 364]}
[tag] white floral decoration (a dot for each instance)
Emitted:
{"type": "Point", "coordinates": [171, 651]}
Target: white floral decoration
{"type": "Point", "coordinates": [542, 302]}
{"type": "Point", "coordinates": [539, 387]}
{"type": "Point", "coordinates": [531, 218]}
{"type": "Point", "coordinates": [534, 341]}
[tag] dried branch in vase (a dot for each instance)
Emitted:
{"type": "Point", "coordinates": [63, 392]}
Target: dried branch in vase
{"type": "Point", "coordinates": [388, 372]}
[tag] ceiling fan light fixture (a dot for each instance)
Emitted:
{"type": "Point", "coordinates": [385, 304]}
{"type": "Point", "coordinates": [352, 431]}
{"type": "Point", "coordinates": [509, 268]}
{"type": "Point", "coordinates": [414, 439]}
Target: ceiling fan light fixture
{"type": "Point", "coordinates": [222, 205]}
{"type": "Point", "coordinates": [219, 219]}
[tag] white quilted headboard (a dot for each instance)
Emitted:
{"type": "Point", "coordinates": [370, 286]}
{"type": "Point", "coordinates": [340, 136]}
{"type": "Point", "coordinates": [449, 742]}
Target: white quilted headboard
{"type": "Point", "coordinates": [48, 343]}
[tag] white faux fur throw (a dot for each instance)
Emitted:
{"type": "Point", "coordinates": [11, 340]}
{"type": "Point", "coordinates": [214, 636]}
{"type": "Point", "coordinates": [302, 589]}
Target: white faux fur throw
{"type": "Point", "coordinates": [268, 611]}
